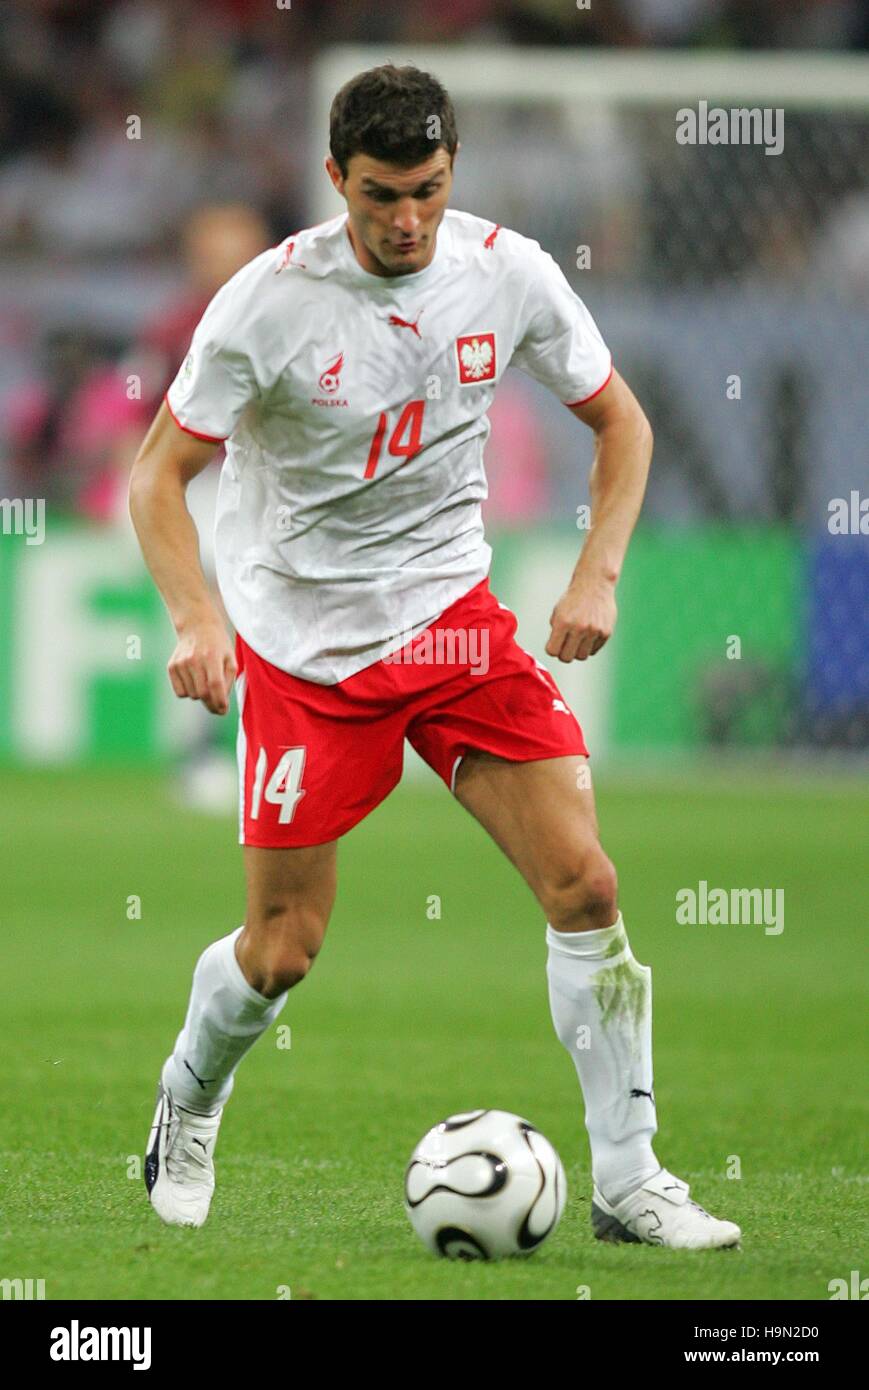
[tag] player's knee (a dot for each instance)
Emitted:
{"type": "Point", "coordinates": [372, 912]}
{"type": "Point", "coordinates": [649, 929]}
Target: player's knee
{"type": "Point", "coordinates": [584, 895]}
{"type": "Point", "coordinates": [282, 969]}
{"type": "Point", "coordinates": [277, 951]}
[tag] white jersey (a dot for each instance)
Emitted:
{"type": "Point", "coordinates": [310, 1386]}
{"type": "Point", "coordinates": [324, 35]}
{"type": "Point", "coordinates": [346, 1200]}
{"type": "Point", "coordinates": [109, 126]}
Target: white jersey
{"type": "Point", "coordinates": [353, 407]}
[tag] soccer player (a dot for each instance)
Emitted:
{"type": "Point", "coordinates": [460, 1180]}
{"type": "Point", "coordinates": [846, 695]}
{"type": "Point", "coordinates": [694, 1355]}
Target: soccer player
{"type": "Point", "coordinates": [348, 373]}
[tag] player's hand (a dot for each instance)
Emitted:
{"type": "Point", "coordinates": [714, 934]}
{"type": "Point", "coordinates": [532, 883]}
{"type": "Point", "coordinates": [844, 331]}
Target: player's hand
{"type": "Point", "coordinates": [202, 666]}
{"type": "Point", "coordinates": [582, 620]}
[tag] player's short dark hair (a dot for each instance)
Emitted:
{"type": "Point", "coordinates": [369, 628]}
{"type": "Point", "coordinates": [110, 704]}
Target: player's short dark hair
{"type": "Point", "coordinates": [387, 113]}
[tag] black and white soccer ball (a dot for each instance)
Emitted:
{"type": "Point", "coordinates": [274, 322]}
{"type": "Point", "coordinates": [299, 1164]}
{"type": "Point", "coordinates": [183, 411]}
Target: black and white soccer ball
{"type": "Point", "coordinates": [483, 1185]}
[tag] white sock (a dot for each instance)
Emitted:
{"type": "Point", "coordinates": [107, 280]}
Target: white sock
{"type": "Point", "coordinates": [225, 1017]}
{"type": "Point", "coordinates": [601, 1001]}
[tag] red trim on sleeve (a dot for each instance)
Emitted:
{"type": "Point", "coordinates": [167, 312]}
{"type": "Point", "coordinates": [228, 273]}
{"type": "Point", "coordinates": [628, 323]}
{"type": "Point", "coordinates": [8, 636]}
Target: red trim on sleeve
{"type": "Point", "coordinates": [586, 399]}
{"type": "Point", "coordinates": [206, 438]}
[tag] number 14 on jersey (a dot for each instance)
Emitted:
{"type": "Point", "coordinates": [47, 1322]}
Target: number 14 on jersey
{"type": "Point", "coordinates": [405, 440]}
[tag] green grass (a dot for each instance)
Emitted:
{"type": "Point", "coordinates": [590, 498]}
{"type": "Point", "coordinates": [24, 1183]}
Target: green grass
{"type": "Point", "coordinates": [759, 1045]}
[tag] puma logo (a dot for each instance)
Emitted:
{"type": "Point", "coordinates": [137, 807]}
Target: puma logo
{"type": "Point", "coordinates": [209, 1080]}
{"type": "Point", "coordinates": [397, 322]}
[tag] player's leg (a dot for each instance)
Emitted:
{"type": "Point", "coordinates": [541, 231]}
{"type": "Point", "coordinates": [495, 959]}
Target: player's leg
{"type": "Point", "coordinates": [502, 737]}
{"type": "Point", "coordinates": [542, 815]}
{"type": "Point", "coordinates": [313, 761]}
{"type": "Point", "coordinates": [290, 896]}
{"type": "Point", "coordinates": [240, 985]}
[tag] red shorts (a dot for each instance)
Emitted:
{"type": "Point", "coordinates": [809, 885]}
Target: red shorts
{"type": "Point", "coordinates": [315, 759]}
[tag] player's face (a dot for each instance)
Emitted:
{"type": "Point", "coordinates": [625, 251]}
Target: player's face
{"type": "Point", "coordinates": [394, 212]}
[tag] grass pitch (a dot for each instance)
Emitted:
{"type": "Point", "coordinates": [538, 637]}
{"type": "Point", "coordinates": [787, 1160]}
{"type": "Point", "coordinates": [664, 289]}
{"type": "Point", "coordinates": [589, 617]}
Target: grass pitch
{"type": "Point", "coordinates": [759, 1045]}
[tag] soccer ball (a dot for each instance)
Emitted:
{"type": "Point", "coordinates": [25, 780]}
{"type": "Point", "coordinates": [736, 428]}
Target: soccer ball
{"type": "Point", "coordinates": [482, 1185]}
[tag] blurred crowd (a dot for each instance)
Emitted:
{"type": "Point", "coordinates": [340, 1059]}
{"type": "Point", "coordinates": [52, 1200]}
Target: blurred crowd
{"type": "Point", "coordinates": [172, 137]}
{"type": "Point", "coordinates": [221, 92]}
{"type": "Point", "coordinates": [223, 84]}
{"type": "Point", "coordinates": [73, 424]}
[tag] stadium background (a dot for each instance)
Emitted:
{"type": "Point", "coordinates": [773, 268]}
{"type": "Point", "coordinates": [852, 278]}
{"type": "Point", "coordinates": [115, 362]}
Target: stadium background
{"type": "Point", "coordinates": [706, 264]}
{"type": "Point", "coordinates": [146, 149]}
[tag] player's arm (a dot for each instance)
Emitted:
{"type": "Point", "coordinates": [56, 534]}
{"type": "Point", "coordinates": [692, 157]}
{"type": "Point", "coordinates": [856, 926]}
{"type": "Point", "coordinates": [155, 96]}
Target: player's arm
{"type": "Point", "coordinates": [202, 666]}
{"type": "Point", "coordinates": [584, 617]}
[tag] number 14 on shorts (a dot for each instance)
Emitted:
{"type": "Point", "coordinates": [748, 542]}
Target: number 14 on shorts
{"type": "Point", "coordinates": [284, 787]}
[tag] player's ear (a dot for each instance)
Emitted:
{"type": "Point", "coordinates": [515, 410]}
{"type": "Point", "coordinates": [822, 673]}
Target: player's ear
{"type": "Point", "coordinates": [334, 171]}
